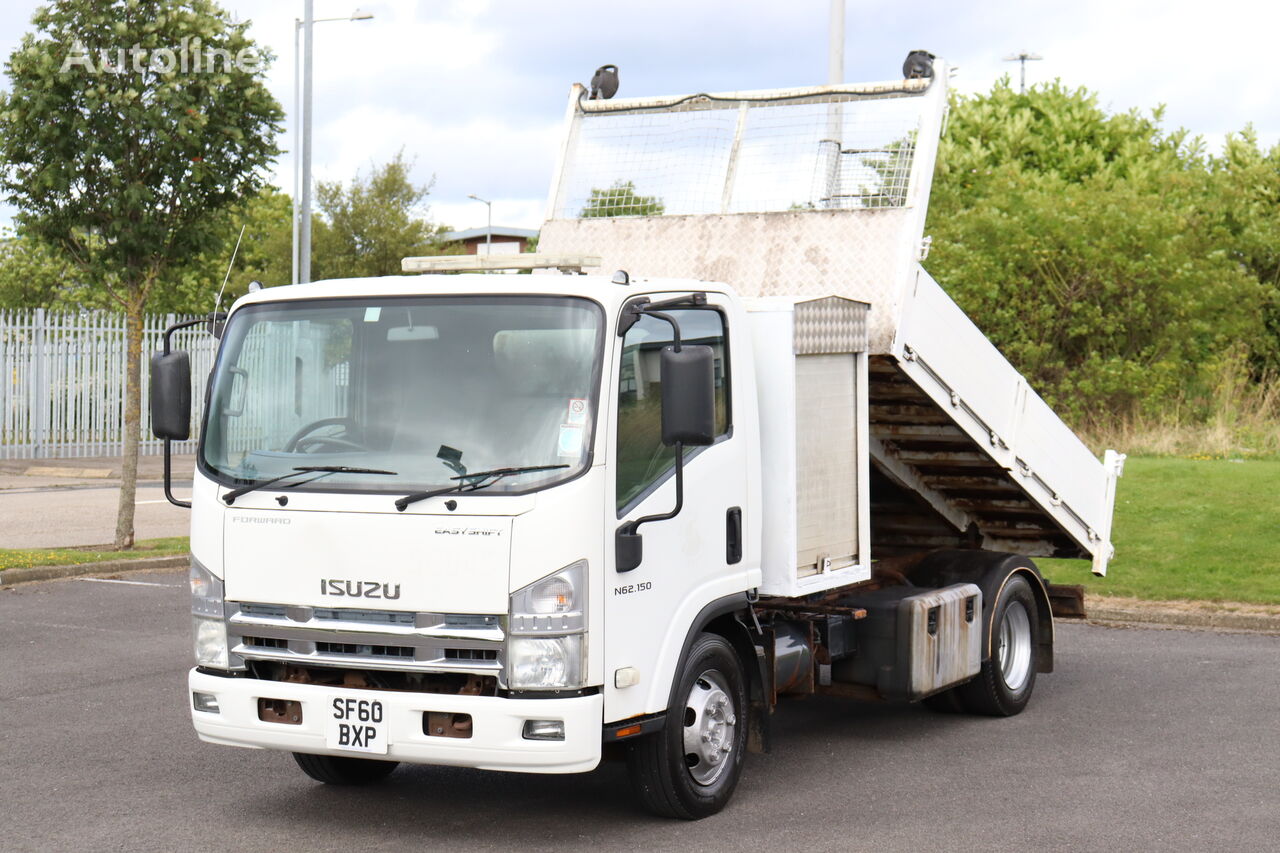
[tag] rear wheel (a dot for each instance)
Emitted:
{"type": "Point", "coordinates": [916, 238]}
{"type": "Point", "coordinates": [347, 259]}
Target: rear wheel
{"type": "Point", "coordinates": [690, 769]}
{"type": "Point", "coordinates": [337, 770]}
{"type": "Point", "coordinates": [1003, 686]}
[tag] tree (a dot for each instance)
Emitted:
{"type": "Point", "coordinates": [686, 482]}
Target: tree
{"type": "Point", "coordinates": [265, 255]}
{"type": "Point", "coordinates": [131, 124]}
{"type": "Point", "coordinates": [1247, 208]}
{"type": "Point", "coordinates": [33, 276]}
{"type": "Point", "coordinates": [368, 227]}
{"type": "Point", "coordinates": [1080, 242]}
{"type": "Point", "coordinates": [621, 199]}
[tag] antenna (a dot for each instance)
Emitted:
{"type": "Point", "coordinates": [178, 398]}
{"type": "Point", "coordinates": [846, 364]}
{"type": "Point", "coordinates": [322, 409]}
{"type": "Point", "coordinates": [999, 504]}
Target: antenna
{"type": "Point", "coordinates": [227, 277]}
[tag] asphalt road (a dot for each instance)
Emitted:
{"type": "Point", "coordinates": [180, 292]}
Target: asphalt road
{"type": "Point", "coordinates": [1142, 740]}
{"type": "Point", "coordinates": [52, 517]}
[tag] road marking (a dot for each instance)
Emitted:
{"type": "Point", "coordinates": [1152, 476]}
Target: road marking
{"type": "Point", "coordinates": [131, 583]}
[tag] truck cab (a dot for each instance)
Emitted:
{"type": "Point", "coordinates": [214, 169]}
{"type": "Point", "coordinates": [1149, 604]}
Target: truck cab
{"type": "Point", "coordinates": [490, 616]}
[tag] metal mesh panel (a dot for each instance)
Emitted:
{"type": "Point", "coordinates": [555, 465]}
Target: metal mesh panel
{"type": "Point", "coordinates": [741, 154]}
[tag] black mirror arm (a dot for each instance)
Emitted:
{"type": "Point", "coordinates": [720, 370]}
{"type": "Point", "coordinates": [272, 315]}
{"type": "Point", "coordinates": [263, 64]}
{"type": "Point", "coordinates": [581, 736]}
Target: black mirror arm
{"type": "Point", "coordinates": [628, 546]}
{"type": "Point", "coordinates": [168, 333]}
{"type": "Point", "coordinates": [168, 479]}
{"type": "Point", "coordinates": [168, 456]}
{"type": "Point", "coordinates": [675, 327]}
{"type": "Point", "coordinates": [632, 526]}
{"type": "Point", "coordinates": [641, 306]}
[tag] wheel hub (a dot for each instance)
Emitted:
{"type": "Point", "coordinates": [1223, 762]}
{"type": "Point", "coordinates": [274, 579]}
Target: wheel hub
{"type": "Point", "coordinates": [710, 721]}
{"type": "Point", "coordinates": [1014, 652]}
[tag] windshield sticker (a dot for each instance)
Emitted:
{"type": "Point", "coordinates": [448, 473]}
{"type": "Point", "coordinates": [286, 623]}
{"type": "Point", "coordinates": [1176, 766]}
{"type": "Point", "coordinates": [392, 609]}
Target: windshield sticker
{"type": "Point", "coordinates": [577, 412]}
{"type": "Point", "coordinates": [570, 440]}
{"type": "Point", "coordinates": [371, 315]}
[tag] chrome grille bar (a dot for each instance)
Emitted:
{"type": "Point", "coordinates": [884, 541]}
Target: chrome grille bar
{"type": "Point", "coordinates": [370, 639]}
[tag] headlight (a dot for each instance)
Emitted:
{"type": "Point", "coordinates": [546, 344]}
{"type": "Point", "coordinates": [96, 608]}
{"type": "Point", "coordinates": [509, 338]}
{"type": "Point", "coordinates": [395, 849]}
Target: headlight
{"type": "Point", "coordinates": [546, 648]}
{"type": "Point", "coordinates": [211, 642]}
{"type": "Point", "coordinates": [208, 619]}
{"type": "Point", "coordinates": [545, 663]}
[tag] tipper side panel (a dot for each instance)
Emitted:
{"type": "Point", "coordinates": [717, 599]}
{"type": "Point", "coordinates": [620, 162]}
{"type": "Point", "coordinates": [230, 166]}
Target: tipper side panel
{"type": "Point", "coordinates": [851, 253]}
{"type": "Point", "coordinates": [809, 193]}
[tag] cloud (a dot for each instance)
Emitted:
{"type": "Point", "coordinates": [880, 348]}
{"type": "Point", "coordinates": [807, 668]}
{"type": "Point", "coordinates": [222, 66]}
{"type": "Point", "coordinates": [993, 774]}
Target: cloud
{"type": "Point", "coordinates": [476, 90]}
{"type": "Point", "coordinates": [508, 165]}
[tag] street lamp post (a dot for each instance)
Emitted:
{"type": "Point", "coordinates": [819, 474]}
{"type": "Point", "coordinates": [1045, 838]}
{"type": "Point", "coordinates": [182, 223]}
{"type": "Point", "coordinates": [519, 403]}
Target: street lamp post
{"type": "Point", "coordinates": [488, 231]}
{"type": "Point", "coordinates": [835, 43]}
{"type": "Point", "coordinates": [301, 271]}
{"type": "Point", "coordinates": [1022, 59]}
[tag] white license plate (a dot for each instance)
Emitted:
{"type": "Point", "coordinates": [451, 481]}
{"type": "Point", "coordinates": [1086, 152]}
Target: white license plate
{"type": "Point", "coordinates": [358, 725]}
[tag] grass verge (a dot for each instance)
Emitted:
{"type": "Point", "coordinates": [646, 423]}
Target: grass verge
{"type": "Point", "coordinates": [1196, 529]}
{"type": "Point", "coordinates": [25, 558]}
{"type": "Point", "coordinates": [1240, 418]}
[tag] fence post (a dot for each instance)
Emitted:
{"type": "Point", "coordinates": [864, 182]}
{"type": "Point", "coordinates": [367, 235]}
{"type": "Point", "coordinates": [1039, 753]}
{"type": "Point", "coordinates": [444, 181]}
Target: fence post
{"type": "Point", "coordinates": [40, 419]}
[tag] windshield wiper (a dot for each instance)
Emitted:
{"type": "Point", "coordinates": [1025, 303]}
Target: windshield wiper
{"type": "Point", "coordinates": [472, 482]}
{"type": "Point", "coordinates": [230, 496]}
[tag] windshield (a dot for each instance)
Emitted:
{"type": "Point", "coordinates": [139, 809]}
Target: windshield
{"type": "Point", "coordinates": [428, 388]}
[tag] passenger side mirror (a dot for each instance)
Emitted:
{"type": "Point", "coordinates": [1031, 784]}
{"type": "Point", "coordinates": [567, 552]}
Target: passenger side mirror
{"type": "Point", "coordinates": [688, 396]}
{"type": "Point", "coordinates": [171, 395]}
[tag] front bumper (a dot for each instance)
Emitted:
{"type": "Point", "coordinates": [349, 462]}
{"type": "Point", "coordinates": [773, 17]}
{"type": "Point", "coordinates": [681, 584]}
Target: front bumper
{"type": "Point", "coordinates": [496, 741]}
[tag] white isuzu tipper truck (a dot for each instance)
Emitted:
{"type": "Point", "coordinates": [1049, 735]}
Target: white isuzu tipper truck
{"type": "Point", "coordinates": [512, 522]}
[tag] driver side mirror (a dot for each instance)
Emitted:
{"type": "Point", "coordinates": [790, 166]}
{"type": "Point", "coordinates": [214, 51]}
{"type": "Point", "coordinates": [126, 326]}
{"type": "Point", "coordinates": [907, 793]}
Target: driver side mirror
{"type": "Point", "coordinates": [171, 395]}
{"type": "Point", "coordinates": [688, 396]}
{"type": "Point", "coordinates": [688, 419]}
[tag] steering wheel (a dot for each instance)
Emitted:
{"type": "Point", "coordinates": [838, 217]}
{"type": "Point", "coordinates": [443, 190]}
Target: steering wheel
{"type": "Point", "coordinates": [303, 442]}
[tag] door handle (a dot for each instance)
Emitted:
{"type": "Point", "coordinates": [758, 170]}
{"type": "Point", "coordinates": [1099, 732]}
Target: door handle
{"type": "Point", "coordinates": [733, 535]}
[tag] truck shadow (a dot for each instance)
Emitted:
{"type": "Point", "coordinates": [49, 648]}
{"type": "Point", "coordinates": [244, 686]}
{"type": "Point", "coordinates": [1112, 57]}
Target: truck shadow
{"type": "Point", "coordinates": [455, 805]}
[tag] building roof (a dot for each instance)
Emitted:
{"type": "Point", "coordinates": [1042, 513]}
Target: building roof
{"type": "Point", "coordinates": [497, 231]}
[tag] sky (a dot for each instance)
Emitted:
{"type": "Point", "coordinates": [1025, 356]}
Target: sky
{"type": "Point", "coordinates": [474, 91]}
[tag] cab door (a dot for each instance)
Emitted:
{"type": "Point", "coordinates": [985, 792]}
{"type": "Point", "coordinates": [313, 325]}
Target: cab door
{"type": "Point", "coordinates": [696, 557]}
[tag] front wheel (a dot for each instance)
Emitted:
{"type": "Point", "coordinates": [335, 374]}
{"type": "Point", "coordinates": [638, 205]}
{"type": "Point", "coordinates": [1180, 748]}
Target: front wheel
{"type": "Point", "coordinates": [337, 770]}
{"type": "Point", "coordinates": [1003, 686]}
{"type": "Point", "coordinates": [690, 769]}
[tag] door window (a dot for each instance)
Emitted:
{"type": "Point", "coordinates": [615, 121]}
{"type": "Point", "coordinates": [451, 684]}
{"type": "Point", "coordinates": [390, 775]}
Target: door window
{"type": "Point", "coordinates": [643, 460]}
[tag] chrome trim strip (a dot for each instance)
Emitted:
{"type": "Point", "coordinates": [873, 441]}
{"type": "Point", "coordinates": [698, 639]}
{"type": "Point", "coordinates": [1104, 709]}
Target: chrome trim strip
{"type": "Point", "coordinates": [367, 662]}
{"type": "Point", "coordinates": [327, 628]}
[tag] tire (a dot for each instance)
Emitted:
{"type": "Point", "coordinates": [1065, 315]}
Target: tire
{"type": "Point", "coordinates": [690, 769]}
{"type": "Point", "coordinates": [1004, 684]}
{"type": "Point", "coordinates": [336, 770]}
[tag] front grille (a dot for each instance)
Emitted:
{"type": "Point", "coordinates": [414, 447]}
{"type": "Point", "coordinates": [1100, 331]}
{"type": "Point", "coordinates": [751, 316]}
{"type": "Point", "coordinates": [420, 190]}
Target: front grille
{"type": "Point", "coordinates": [370, 639]}
{"type": "Point", "coordinates": [265, 642]}
{"type": "Point", "coordinates": [370, 617]}
{"type": "Point", "coordinates": [470, 654]}
{"type": "Point", "coordinates": [271, 611]}
{"type": "Point", "coordinates": [469, 620]}
{"type": "Point", "coordinates": [357, 649]}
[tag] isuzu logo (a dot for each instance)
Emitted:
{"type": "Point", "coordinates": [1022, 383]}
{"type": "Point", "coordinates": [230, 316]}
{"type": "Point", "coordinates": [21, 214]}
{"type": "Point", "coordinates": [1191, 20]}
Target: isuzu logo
{"type": "Point", "coordinates": [359, 589]}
